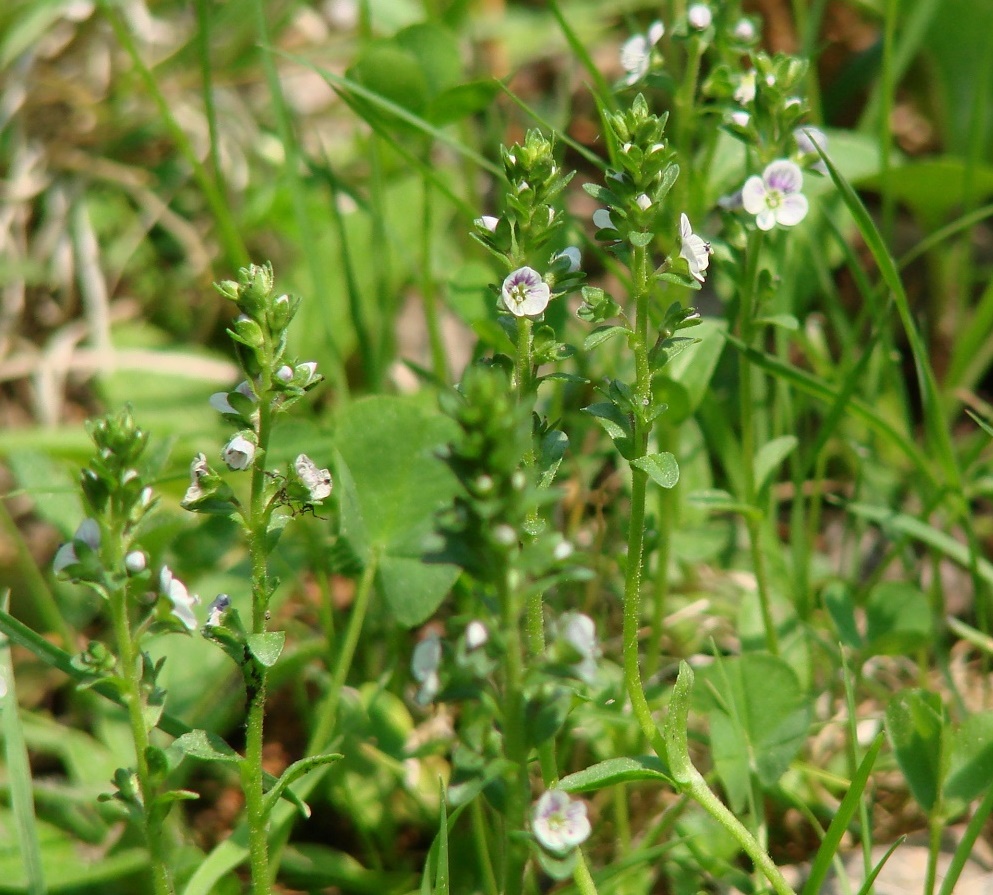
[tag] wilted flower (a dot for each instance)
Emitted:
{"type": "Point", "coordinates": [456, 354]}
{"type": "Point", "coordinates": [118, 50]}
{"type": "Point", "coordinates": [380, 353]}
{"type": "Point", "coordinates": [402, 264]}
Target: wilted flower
{"type": "Point", "coordinates": [694, 249]}
{"type": "Point", "coordinates": [181, 600]}
{"type": "Point", "coordinates": [560, 823]}
{"type": "Point", "coordinates": [239, 452]}
{"type": "Point", "coordinates": [524, 293]}
{"type": "Point", "coordinates": [316, 481]}
{"type": "Point", "coordinates": [198, 469]}
{"type": "Point", "coordinates": [775, 197]}
{"type": "Point", "coordinates": [424, 665]}
{"type": "Point", "coordinates": [808, 138]}
{"type": "Point", "coordinates": [87, 533]}
{"type": "Point", "coordinates": [216, 610]}
{"type": "Point", "coordinates": [699, 16]}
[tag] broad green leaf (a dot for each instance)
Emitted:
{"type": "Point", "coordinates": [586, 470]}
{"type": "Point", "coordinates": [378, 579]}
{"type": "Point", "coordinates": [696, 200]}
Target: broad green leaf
{"type": "Point", "coordinates": [601, 334]}
{"type": "Point", "coordinates": [759, 716]}
{"type": "Point", "coordinates": [461, 101]}
{"type": "Point", "coordinates": [898, 619]}
{"type": "Point", "coordinates": [436, 51]}
{"type": "Point", "coordinates": [915, 722]}
{"type": "Point", "coordinates": [206, 746]}
{"type": "Point", "coordinates": [970, 761]}
{"type": "Point", "coordinates": [50, 486]}
{"type": "Point", "coordinates": [770, 456]}
{"type": "Point", "coordinates": [393, 484]}
{"type": "Point", "coordinates": [661, 468]}
{"type": "Point", "coordinates": [266, 647]}
{"type": "Point", "coordinates": [616, 770]}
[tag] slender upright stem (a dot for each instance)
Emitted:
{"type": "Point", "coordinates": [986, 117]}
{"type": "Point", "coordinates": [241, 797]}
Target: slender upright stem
{"type": "Point", "coordinates": [130, 670]}
{"type": "Point", "coordinates": [753, 522]}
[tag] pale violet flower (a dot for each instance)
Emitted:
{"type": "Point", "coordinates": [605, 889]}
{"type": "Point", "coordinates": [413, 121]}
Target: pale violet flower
{"type": "Point", "coordinates": [579, 633]}
{"type": "Point", "coordinates": [476, 635]}
{"type": "Point", "coordinates": [285, 373]}
{"type": "Point", "coordinates": [316, 481]}
{"type": "Point", "coordinates": [136, 562]}
{"type": "Point", "coordinates": [181, 599]}
{"type": "Point", "coordinates": [699, 16]}
{"type": "Point", "coordinates": [808, 138]}
{"type": "Point", "coordinates": [775, 197]}
{"type": "Point", "coordinates": [601, 219]}
{"type": "Point", "coordinates": [488, 222]}
{"type": "Point", "coordinates": [694, 249]}
{"type": "Point", "coordinates": [560, 823]}
{"type": "Point", "coordinates": [219, 400]}
{"type": "Point", "coordinates": [744, 93]}
{"type": "Point", "coordinates": [87, 533]}
{"type": "Point", "coordinates": [745, 31]}
{"type": "Point", "coordinates": [238, 453]}
{"type": "Point", "coordinates": [636, 53]}
{"type": "Point", "coordinates": [216, 610]}
{"type": "Point", "coordinates": [574, 255]}
{"type": "Point", "coordinates": [525, 293]}
{"type": "Point", "coordinates": [424, 665]}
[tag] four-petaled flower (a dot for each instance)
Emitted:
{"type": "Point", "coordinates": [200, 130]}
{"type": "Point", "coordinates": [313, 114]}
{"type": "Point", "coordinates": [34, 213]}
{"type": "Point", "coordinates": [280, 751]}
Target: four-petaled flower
{"type": "Point", "coordinates": [525, 293]}
{"type": "Point", "coordinates": [775, 197]}
{"type": "Point", "coordinates": [694, 249]}
{"type": "Point", "coordinates": [559, 823]}
{"type": "Point", "coordinates": [181, 599]}
{"type": "Point", "coordinates": [316, 481]}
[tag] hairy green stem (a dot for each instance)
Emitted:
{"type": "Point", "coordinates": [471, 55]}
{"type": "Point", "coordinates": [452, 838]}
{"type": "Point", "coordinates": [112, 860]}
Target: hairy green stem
{"type": "Point", "coordinates": [582, 876]}
{"type": "Point", "coordinates": [130, 671]}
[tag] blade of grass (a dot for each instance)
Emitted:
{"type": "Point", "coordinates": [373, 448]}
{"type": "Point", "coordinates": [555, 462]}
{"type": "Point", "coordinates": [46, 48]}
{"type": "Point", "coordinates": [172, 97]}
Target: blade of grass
{"type": "Point", "coordinates": [601, 89]}
{"type": "Point", "coordinates": [839, 824]}
{"type": "Point", "coordinates": [964, 848]}
{"type": "Point", "coordinates": [19, 772]}
{"type": "Point", "coordinates": [291, 171]}
{"type": "Point", "coordinates": [871, 878]}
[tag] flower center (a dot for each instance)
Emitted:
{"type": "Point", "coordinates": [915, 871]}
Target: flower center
{"type": "Point", "coordinates": [774, 198]}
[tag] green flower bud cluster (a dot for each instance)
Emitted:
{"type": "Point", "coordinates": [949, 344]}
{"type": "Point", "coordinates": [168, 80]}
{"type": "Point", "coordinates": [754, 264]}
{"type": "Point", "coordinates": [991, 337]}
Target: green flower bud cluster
{"type": "Point", "coordinates": [635, 191]}
{"type": "Point", "coordinates": [111, 482]}
{"type": "Point", "coordinates": [534, 184]}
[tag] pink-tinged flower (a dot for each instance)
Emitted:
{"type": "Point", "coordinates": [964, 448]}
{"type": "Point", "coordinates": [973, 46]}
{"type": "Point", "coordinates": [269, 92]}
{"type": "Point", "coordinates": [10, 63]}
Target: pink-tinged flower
{"type": "Point", "coordinates": [775, 197]}
{"type": "Point", "coordinates": [694, 249]}
{"type": "Point", "coordinates": [559, 823]}
{"type": "Point", "coordinates": [181, 600]}
{"type": "Point", "coordinates": [525, 293]}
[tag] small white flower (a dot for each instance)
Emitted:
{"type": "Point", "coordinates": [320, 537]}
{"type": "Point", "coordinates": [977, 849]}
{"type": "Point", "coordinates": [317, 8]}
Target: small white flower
{"type": "Point", "coordinates": [560, 823]}
{"type": "Point", "coordinates": [601, 219]}
{"type": "Point", "coordinates": [524, 293]}
{"type": "Point", "coordinates": [219, 400]}
{"type": "Point", "coordinates": [136, 562]}
{"type": "Point", "coordinates": [656, 31]}
{"type": "Point", "coordinates": [563, 550]}
{"type": "Point", "coordinates": [808, 138]}
{"type": "Point", "coordinates": [643, 202]}
{"type": "Point", "coordinates": [579, 632]}
{"type": "Point", "coordinates": [635, 58]}
{"type": "Point", "coordinates": [488, 222]}
{"type": "Point", "coordinates": [238, 453]}
{"type": "Point", "coordinates": [316, 481]}
{"type": "Point", "coordinates": [694, 249]}
{"type": "Point", "coordinates": [740, 118]}
{"type": "Point", "coordinates": [504, 535]}
{"type": "Point", "coordinates": [182, 600]}
{"type": "Point", "coordinates": [88, 533]}
{"type": "Point", "coordinates": [744, 31]}
{"type": "Point", "coordinates": [475, 634]}
{"type": "Point", "coordinates": [745, 91]}
{"type": "Point", "coordinates": [424, 665]}
{"type": "Point", "coordinates": [775, 197]}
{"type": "Point", "coordinates": [216, 610]}
{"type": "Point", "coordinates": [574, 255]}
{"type": "Point", "coordinates": [699, 16]}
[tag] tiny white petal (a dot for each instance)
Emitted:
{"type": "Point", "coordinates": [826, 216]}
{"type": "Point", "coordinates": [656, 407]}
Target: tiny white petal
{"type": "Point", "coordinates": [476, 634]}
{"type": "Point", "coordinates": [644, 203]}
{"type": "Point", "coordinates": [753, 195]}
{"type": "Point", "coordinates": [177, 594]}
{"type": "Point", "coordinates": [635, 58]}
{"type": "Point", "coordinates": [740, 118]}
{"type": "Point", "coordinates": [219, 401]}
{"type": "Point", "coordinates": [488, 222]}
{"type": "Point", "coordinates": [238, 453]}
{"type": "Point", "coordinates": [745, 91]}
{"type": "Point", "coordinates": [744, 31]}
{"type": "Point", "coordinates": [574, 255]}
{"type": "Point", "coordinates": [699, 16]}
{"type": "Point", "coordinates": [793, 210]}
{"type": "Point", "coordinates": [656, 31]}
{"type": "Point", "coordinates": [136, 562]}
{"type": "Point", "coordinates": [601, 219]}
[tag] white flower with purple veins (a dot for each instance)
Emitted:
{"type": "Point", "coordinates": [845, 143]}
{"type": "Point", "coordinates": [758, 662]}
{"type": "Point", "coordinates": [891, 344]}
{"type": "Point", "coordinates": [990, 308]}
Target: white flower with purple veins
{"type": "Point", "coordinates": [694, 249]}
{"type": "Point", "coordinates": [216, 610]}
{"type": "Point", "coordinates": [198, 469]}
{"type": "Point", "coordinates": [560, 823]}
{"type": "Point", "coordinates": [775, 197]}
{"type": "Point", "coordinates": [699, 16]}
{"type": "Point", "coordinates": [238, 453]}
{"type": "Point", "coordinates": [88, 533]}
{"type": "Point", "coordinates": [525, 293]}
{"type": "Point", "coordinates": [316, 481]}
{"type": "Point", "coordinates": [424, 665]}
{"type": "Point", "coordinates": [579, 632]}
{"type": "Point", "coordinates": [181, 599]}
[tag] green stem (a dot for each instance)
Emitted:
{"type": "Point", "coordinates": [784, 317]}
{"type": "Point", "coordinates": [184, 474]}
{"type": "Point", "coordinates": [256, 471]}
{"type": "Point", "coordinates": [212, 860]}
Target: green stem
{"type": "Point", "coordinates": [746, 315]}
{"type": "Point", "coordinates": [130, 672]}
{"type": "Point", "coordinates": [429, 291]}
{"type": "Point", "coordinates": [668, 507]}
{"type": "Point", "coordinates": [582, 876]}
{"type": "Point", "coordinates": [490, 885]}
{"type": "Point", "coordinates": [636, 520]}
